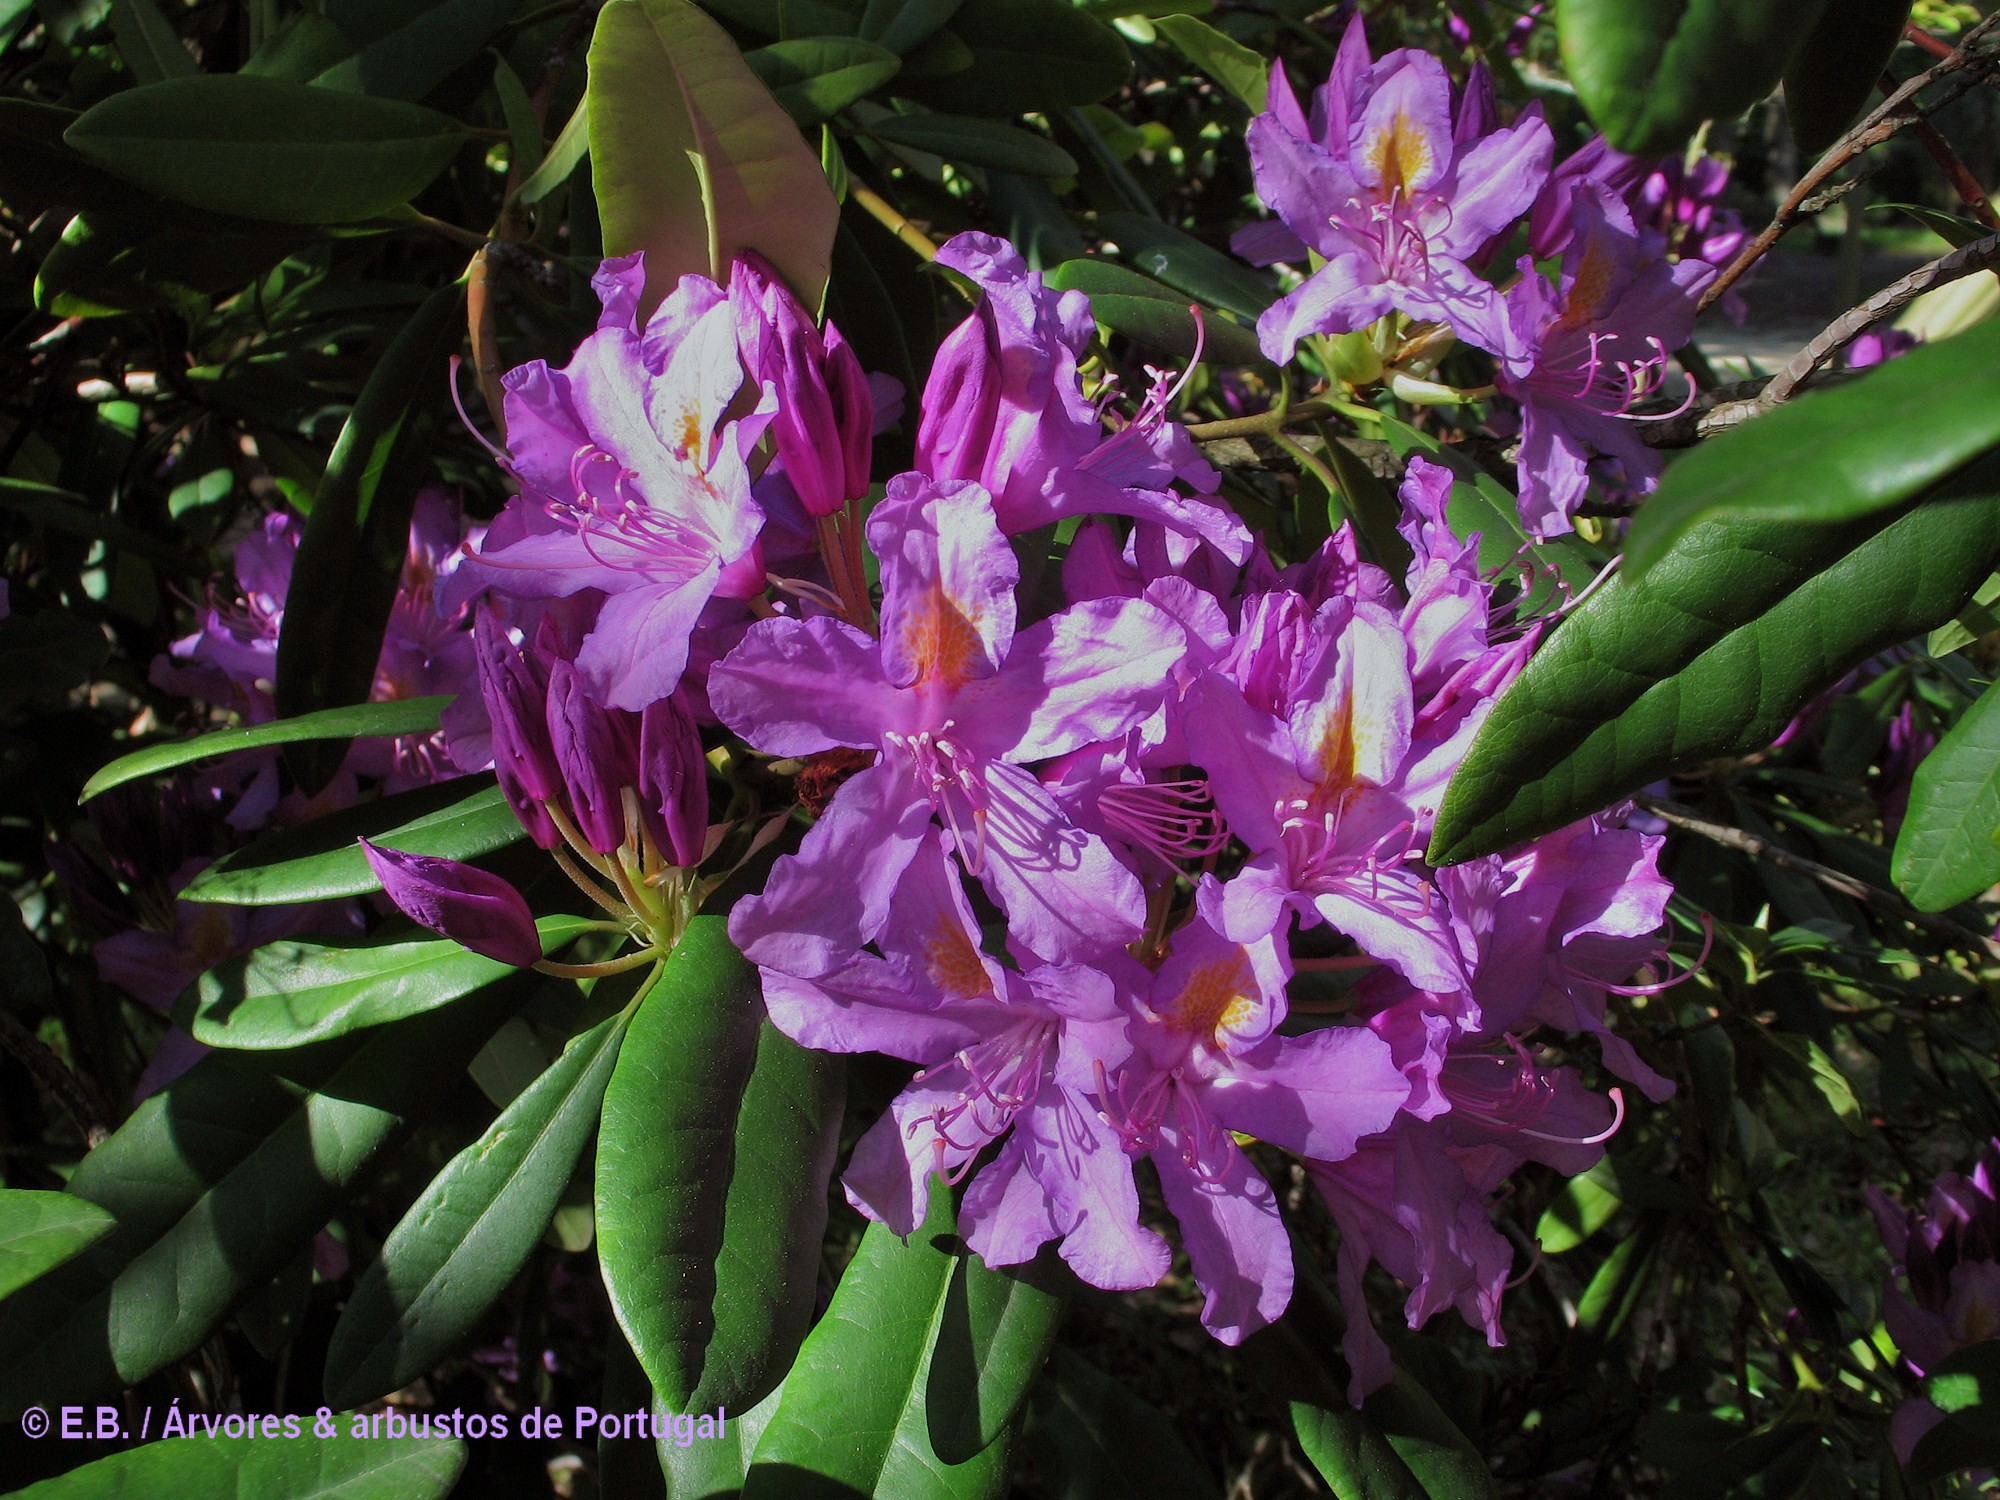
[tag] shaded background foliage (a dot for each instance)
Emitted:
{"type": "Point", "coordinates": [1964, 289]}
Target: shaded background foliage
{"type": "Point", "coordinates": [211, 311]}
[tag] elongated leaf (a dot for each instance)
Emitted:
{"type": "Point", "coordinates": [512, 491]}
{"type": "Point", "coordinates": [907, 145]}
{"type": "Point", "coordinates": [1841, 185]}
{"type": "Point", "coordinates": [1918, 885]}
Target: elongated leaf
{"type": "Point", "coordinates": [1945, 852]}
{"type": "Point", "coordinates": [1027, 56]}
{"type": "Point", "coordinates": [1353, 1455]}
{"type": "Point", "coordinates": [1239, 70]}
{"type": "Point", "coordinates": [994, 1335]}
{"type": "Point", "coordinates": [978, 143]}
{"type": "Point", "coordinates": [362, 720]}
{"type": "Point", "coordinates": [1186, 264]}
{"type": "Point", "coordinates": [777, 18]}
{"type": "Point", "coordinates": [711, 1469]}
{"type": "Point", "coordinates": [410, 61]}
{"type": "Point", "coordinates": [1431, 1447]}
{"type": "Point", "coordinates": [1092, 1439]}
{"type": "Point", "coordinates": [321, 860]}
{"type": "Point", "coordinates": [815, 78]}
{"type": "Point", "coordinates": [1154, 315]}
{"type": "Point", "coordinates": [66, 511]}
{"type": "Point", "coordinates": [1835, 69]}
{"type": "Point", "coordinates": [351, 555]}
{"type": "Point", "coordinates": [148, 44]}
{"type": "Point", "coordinates": [280, 1468]}
{"type": "Point", "coordinates": [1710, 654]}
{"type": "Point", "coordinates": [1965, 1386]}
{"type": "Point", "coordinates": [1835, 455]}
{"type": "Point", "coordinates": [667, 1151]}
{"type": "Point", "coordinates": [1649, 74]}
{"type": "Point", "coordinates": [263, 148]}
{"type": "Point", "coordinates": [1584, 1206]}
{"type": "Point", "coordinates": [471, 1230]}
{"type": "Point", "coordinates": [555, 168]}
{"type": "Point", "coordinates": [217, 1182]}
{"type": "Point", "coordinates": [292, 993]}
{"type": "Point", "coordinates": [39, 1231]}
{"type": "Point", "coordinates": [836, 1436]}
{"type": "Point", "coordinates": [901, 25]}
{"type": "Point", "coordinates": [692, 160]}
{"type": "Point", "coordinates": [767, 1269]}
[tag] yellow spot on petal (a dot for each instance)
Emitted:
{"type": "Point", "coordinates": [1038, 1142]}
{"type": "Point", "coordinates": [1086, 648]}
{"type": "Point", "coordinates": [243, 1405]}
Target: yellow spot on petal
{"type": "Point", "coordinates": [1399, 153]}
{"type": "Point", "coordinates": [953, 963]}
{"type": "Point", "coordinates": [1592, 287]}
{"type": "Point", "coordinates": [941, 641]}
{"type": "Point", "coordinates": [1218, 997]}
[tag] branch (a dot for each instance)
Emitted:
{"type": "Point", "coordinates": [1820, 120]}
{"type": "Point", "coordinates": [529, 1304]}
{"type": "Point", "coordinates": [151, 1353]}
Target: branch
{"type": "Point", "coordinates": [34, 1055]}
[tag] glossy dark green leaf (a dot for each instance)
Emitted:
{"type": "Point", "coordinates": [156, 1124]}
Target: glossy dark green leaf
{"type": "Point", "coordinates": [398, 716]}
{"type": "Point", "coordinates": [1650, 73]}
{"type": "Point", "coordinates": [976, 143]}
{"type": "Point", "coordinates": [148, 44]}
{"type": "Point", "coordinates": [815, 78]}
{"type": "Point", "coordinates": [1353, 1455]}
{"type": "Point", "coordinates": [1027, 55]}
{"type": "Point", "coordinates": [1091, 1439]}
{"type": "Point", "coordinates": [713, 1468]}
{"type": "Point", "coordinates": [1835, 455]}
{"type": "Point", "coordinates": [1187, 265]}
{"type": "Point", "coordinates": [321, 860]}
{"type": "Point", "coordinates": [418, 55]}
{"type": "Point", "coordinates": [1945, 852]}
{"type": "Point", "coordinates": [778, 18]}
{"type": "Point", "coordinates": [994, 1335]}
{"type": "Point", "coordinates": [264, 148]}
{"type": "Point", "coordinates": [767, 1268]}
{"type": "Point", "coordinates": [468, 1234]}
{"type": "Point", "coordinates": [1445, 1463]}
{"type": "Point", "coordinates": [836, 1435]}
{"type": "Point", "coordinates": [667, 1151]}
{"type": "Point", "coordinates": [1154, 315]}
{"type": "Point", "coordinates": [351, 555]}
{"type": "Point", "coordinates": [294, 992]}
{"type": "Point", "coordinates": [692, 160]}
{"type": "Point", "coordinates": [1710, 654]}
{"type": "Point", "coordinates": [275, 1468]}
{"type": "Point", "coordinates": [217, 1182]}
{"type": "Point", "coordinates": [39, 1231]}
{"type": "Point", "coordinates": [1834, 72]}
{"type": "Point", "coordinates": [901, 25]}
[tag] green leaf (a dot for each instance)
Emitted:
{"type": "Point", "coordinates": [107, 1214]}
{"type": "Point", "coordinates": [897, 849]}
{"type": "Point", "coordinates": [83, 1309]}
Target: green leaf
{"type": "Point", "coordinates": [815, 78]}
{"type": "Point", "coordinates": [148, 44]}
{"type": "Point", "coordinates": [39, 1231]}
{"type": "Point", "coordinates": [70, 513]}
{"type": "Point", "coordinates": [1971, 623]}
{"type": "Point", "coordinates": [410, 61]}
{"type": "Point", "coordinates": [1712, 653]}
{"type": "Point", "coordinates": [1649, 74]}
{"type": "Point", "coordinates": [265, 148]}
{"type": "Point", "coordinates": [1615, 1289]}
{"type": "Point", "coordinates": [470, 1232]}
{"type": "Point", "coordinates": [1954, 229]}
{"type": "Point", "coordinates": [901, 25]}
{"type": "Point", "coordinates": [1835, 455]}
{"type": "Point", "coordinates": [1154, 315]}
{"type": "Point", "coordinates": [1945, 852]}
{"type": "Point", "coordinates": [713, 1468]}
{"type": "Point", "coordinates": [362, 720]}
{"type": "Point", "coordinates": [773, 1220]}
{"type": "Point", "coordinates": [692, 160]}
{"type": "Point", "coordinates": [320, 861]}
{"type": "Point", "coordinates": [351, 554]}
{"type": "Point", "coordinates": [1027, 56]}
{"type": "Point", "coordinates": [977, 143]}
{"type": "Point", "coordinates": [555, 168]}
{"type": "Point", "coordinates": [1584, 1206]}
{"type": "Point", "coordinates": [994, 1335]}
{"type": "Point", "coordinates": [667, 1151]}
{"type": "Point", "coordinates": [1442, 1458]}
{"type": "Point", "coordinates": [45, 655]}
{"type": "Point", "coordinates": [261, 1468]}
{"type": "Point", "coordinates": [834, 1435]}
{"type": "Point", "coordinates": [293, 992]}
{"type": "Point", "coordinates": [1186, 264]}
{"type": "Point", "coordinates": [1092, 1439]}
{"type": "Point", "coordinates": [217, 1182]}
{"type": "Point", "coordinates": [1835, 69]}
{"type": "Point", "coordinates": [1965, 1386]}
{"type": "Point", "coordinates": [1245, 74]}
{"type": "Point", "coordinates": [1353, 1455]}
{"type": "Point", "coordinates": [782, 18]}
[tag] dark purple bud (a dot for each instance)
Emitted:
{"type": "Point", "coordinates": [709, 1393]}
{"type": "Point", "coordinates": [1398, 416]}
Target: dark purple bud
{"type": "Point", "coordinates": [673, 781]}
{"type": "Point", "coordinates": [515, 688]}
{"type": "Point", "coordinates": [781, 344]}
{"type": "Point", "coordinates": [473, 908]}
{"type": "Point", "coordinates": [597, 749]}
{"type": "Point", "coordinates": [962, 400]}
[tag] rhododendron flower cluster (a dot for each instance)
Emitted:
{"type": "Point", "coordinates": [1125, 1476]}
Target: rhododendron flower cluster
{"type": "Point", "coordinates": [1068, 855]}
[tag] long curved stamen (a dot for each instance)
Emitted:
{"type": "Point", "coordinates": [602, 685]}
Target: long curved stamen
{"type": "Point", "coordinates": [1617, 1096]}
{"type": "Point", "coordinates": [1701, 958]}
{"type": "Point", "coordinates": [1171, 820]}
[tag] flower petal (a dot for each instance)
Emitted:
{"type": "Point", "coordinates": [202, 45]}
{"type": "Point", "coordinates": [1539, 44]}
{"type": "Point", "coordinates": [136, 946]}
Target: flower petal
{"type": "Point", "coordinates": [472, 907]}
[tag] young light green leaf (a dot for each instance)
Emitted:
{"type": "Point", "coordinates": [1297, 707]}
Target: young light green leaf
{"type": "Point", "coordinates": [555, 168]}
{"type": "Point", "coordinates": [264, 148]}
{"type": "Point", "coordinates": [1242, 72]}
{"type": "Point", "coordinates": [994, 1335]}
{"type": "Point", "coordinates": [692, 160]}
{"type": "Point", "coordinates": [39, 1231]}
{"type": "Point", "coordinates": [360, 721]}
{"type": "Point", "coordinates": [351, 555]}
{"type": "Point", "coordinates": [292, 993]}
{"type": "Point", "coordinates": [150, 47]}
{"type": "Point", "coordinates": [815, 78]}
{"type": "Point", "coordinates": [1945, 853]}
{"type": "Point", "coordinates": [294, 1468]}
{"type": "Point", "coordinates": [468, 1234]}
{"type": "Point", "coordinates": [836, 1436]}
{"type": "Point", "coordinates": [321, 860]}
{"type": "Point", "coordinates": [1835, 455]}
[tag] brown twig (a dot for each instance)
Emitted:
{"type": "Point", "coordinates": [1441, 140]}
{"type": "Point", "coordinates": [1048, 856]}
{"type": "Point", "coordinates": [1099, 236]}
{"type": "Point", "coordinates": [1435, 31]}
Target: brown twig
{"type": "Point", "coordinates": [1963, 182]}
{"type": "Point", "coordinates": [1890, 116]}
{"type": "Point", "coordinates": [1834, 880]}
{"type": "Point", "coordinates": [63, 1086]}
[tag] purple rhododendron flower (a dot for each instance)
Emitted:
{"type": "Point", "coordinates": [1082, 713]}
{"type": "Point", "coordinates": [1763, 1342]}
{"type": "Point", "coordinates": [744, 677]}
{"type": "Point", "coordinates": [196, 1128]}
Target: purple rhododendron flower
{"type": "Point", "coordinates": [1393, 192]}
